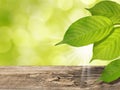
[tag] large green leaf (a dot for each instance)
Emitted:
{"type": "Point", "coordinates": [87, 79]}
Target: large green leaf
{"type": "Point", "coordinates": [87, 30]}
{"type": "Point", "coordinates": [107, 8]}
{"type": "Point", "coordinates": [111, 71]}
{"type": "Point", "coordinates": [109, 48]}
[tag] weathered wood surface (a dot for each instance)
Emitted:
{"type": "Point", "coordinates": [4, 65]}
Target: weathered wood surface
{"type": "Point", "coordinates": [53, 78]}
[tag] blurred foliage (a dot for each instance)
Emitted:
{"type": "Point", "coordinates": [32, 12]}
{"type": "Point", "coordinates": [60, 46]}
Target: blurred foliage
{"type": "Point", "coordinates": [29, 29]}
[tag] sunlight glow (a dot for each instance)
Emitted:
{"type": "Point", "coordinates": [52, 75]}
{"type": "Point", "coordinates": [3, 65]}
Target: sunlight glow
{"type": "Point", "coordinates": [85, 53]}
{"type": "Point", "coordinates": [64, 4]}
{"type": "Point", "coordinates": [88, 2]}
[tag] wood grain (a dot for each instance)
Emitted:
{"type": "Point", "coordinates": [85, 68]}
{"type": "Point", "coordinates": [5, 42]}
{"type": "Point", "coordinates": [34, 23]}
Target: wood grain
{"type": "Point", "coordinates": [53, 78]}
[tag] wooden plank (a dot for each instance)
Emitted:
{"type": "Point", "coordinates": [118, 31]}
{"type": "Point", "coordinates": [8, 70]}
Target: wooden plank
{"type": "Point", "coordinates": [53, 78]}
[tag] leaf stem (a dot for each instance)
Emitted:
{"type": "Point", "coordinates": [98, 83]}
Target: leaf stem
{"type": "Point", "coordinates": [116, 25]}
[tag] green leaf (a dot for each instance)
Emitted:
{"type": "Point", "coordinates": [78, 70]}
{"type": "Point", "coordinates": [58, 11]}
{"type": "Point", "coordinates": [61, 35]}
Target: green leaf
{"type": "Point", "coordinates": [111, 71]}
{"type": "Point", "coordinates": [107, 8]}
{"type": "Point", "coordinates": [87, 30]}
{"type": "Point", "coordinates": [109, 48]}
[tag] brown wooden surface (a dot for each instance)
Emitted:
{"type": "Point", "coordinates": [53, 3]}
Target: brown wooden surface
{"type": "Point", "coordinates": [53, 78]}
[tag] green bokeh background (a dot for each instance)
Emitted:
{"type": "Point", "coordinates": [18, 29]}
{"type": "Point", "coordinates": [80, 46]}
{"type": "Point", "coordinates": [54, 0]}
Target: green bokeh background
{"type": "Point", "coordinates": [29, 29]}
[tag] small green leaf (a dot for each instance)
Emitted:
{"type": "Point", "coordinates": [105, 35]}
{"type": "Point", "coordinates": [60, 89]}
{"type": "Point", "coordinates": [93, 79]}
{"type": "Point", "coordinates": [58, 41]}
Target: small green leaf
{"type": "Point", "coordinates": [111, 71]}
{"type": "Point", "coordinates": [87, 30]}
{"type": "Point", "coordinates": [109, 9]}
{"type": "Point", "coordinates": [109, 48]}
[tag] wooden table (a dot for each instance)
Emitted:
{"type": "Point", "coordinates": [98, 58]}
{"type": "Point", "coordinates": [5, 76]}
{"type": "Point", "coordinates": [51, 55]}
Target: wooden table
{"type": "Point", "coordinates": [53, 78]}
